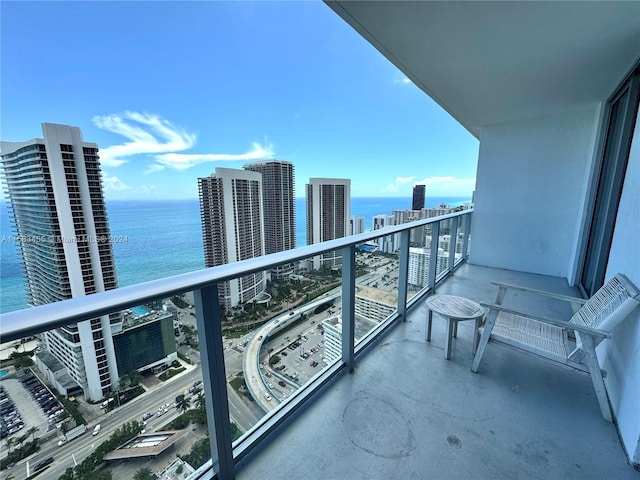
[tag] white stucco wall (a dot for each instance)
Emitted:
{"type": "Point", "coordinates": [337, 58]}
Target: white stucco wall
{"type": "Point", "coordinates": [621, 355]}
{"type": "Point", "coordinates": [529, 191]}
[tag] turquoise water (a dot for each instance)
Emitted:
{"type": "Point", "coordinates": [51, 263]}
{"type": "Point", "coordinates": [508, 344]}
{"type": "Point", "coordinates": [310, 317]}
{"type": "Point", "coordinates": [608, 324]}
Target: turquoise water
{"type": "Point", "coordinates": [163, 238]}
{"type": "Point", "coordinates": [139, 311]}
{"type": "Point", "coordinates": [4, 373]}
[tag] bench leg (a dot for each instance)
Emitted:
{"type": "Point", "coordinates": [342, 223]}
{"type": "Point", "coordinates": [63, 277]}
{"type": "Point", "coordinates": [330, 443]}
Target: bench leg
{"type": "Point", "coordinates": [484, 339]}
{"type": "Point", "coordinates": [476, 334]}
{"type": "Point", "coordinates": [591, 360]}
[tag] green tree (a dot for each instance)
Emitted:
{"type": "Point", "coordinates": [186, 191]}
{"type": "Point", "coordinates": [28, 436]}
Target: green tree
{"type": "Point", "coordinates": [68, 474]}
{"type": "Point", "coordinates": [200, 405]}
{"type": "Point", "coordinates": [144, 473]}
{"type": "Point", "coordinates": [32, 431]}
{"type": "Point", "coordinates": [182, 403]}
{"type": "Point", "coordinates": [135, 377]}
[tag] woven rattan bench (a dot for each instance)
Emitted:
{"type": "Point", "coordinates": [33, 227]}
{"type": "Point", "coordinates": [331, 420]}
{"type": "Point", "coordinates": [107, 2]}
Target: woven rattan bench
{"type": "Point", "coordinates": [572, 343]}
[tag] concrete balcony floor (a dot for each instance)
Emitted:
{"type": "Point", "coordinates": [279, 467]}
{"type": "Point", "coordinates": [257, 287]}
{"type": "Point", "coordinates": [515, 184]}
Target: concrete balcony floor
{"type": "Point", "coordinates": [406, 412]}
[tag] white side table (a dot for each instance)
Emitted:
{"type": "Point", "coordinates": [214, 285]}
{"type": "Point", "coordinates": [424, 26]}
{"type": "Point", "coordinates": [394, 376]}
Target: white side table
{"type": "Point", "coordinates": [455, 309]}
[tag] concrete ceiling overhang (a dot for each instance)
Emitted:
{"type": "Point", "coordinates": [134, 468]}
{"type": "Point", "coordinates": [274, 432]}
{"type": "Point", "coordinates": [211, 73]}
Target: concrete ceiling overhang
{"type": "Point", "coordinates": [489, 63]}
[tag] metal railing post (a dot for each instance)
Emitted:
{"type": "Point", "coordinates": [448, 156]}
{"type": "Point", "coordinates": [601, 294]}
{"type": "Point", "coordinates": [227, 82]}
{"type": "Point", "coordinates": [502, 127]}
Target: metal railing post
{"type": "Point", "coordinates": [433, 256]}
{"type": "Point", "coordinates": [403, 274]}
{"type": "Point", "coordinates": [453, 239]}
{"type": "Point", "coordinates": [209, 323]}
{"type": "Point", "coordinates": [467, 234]}
{"type": "Point", "coordinates": [348, 306]}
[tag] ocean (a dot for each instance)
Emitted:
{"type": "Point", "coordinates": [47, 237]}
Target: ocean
{"type": "Point", "coordinates": [161, 238]}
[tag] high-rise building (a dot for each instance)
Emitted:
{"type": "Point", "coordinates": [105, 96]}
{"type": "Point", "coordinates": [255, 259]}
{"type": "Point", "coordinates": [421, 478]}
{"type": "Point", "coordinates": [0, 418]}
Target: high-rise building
{"type": "Point", "coordinates": [356, 225]}
{"type": "Point", "coordinates": [328, 214]}
{"type": "Point", "coordinates": [419, 196]}
{"type": "Point", "coordinates": [278, 180]}
{"type": "Point", "coordinates": [232, 229]}
{"type": "Point", "coordinates": [58, 211]}
{"type": "Point", "coordinates": [386, 244]}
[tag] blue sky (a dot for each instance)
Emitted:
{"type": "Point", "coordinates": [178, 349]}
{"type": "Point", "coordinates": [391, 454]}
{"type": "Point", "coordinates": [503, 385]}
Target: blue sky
{"type": "Point", "coordinates": [171, 90]}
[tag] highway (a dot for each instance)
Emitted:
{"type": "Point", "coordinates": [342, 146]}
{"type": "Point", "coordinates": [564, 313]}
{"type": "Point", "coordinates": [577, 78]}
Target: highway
{"type": "Point", "coordinates": [256, 382]}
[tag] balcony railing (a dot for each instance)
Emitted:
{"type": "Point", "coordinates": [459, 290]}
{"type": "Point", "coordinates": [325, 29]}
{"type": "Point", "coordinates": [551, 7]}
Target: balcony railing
{"type": "Point", "coordinates": [204, 285]}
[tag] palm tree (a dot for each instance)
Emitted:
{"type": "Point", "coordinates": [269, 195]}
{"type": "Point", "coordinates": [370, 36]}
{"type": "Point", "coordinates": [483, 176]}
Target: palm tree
{"type": "Point", "coordinates": [144, 473]}
{"type": "Point", "coordinates": [10, 441]}
{"type": "Point", "coordinates": [32, 431]}
{"type": "Point", "coordinates": [182, 403]}
{"type": "Point", "coordinates": [200, 402]}
{"type": "Point", "coordinates": [20, 440]}
{"type": "Point", "coordinates": [134, 377]}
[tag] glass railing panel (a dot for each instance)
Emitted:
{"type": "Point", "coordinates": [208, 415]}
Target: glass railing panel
{"type": "Point", "coordinates": [444, 243]}
{"type": "Point", "coordinates": [302, 316]}
{"type": "Point", "coordinates": [376, 290]}
{"type": "Point", "coordinates": [77, 414]}
{"type": "Point", "coordinates": [419, 257]}
{"type": "Point", "coordinates": [459, 243]}
{"type": "Point", "coordinates": [160, 338]}
{"type": "Point", "coordinates": [283, 347]}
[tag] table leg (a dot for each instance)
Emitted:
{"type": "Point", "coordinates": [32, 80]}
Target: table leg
{"type": "Point", "coordinates": [429, 318]}
{"type": "Point", "coordinates": [447, 347]}
{"type": "Point", "coordinates": [455, 330]}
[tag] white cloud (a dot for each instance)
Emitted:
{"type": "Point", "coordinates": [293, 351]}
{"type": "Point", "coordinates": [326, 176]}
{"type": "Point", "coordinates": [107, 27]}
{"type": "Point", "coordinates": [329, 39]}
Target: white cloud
{"type": "Point", "coordinates": [152, 135]}
{"type": "Point", "coordinates": [435, 186]}
{"type": "Point", "coordinates": [442, 186]}
{"type": "Point", "coordinates": [147, 133]}
{"type": "Point", "coordinates": [114, 184]}
{"type": "Point", "coordinates": [402, 81]}
{"type": "Point", "coordinates": [404, 179]}
{"type": "Point", "coordinates": [154, 167]}
{"type": "Point", "coordinates": [182, 161]}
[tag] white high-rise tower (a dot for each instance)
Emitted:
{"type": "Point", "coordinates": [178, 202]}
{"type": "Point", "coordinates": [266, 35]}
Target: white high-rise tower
{"type": "Point", "coordinates": [232, 229]}
{"type": "Point", "coordinates": [55, 188]}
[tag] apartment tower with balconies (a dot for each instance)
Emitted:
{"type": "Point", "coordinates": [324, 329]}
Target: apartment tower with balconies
{"type": "Point", "coordinates": [58, 212]}
{"type": "Point", "coordinates": [278, 186]}
{"type": "Point", "coordinates": [328, 214]}
{"type": "Point", "coordinates": [232, 229]}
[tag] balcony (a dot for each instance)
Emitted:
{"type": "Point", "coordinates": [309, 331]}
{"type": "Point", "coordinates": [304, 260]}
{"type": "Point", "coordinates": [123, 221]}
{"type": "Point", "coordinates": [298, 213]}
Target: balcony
{"type": "Point", "coordinates": [406, 412]}
{"type": "Point", "coordinates": [392, 406]}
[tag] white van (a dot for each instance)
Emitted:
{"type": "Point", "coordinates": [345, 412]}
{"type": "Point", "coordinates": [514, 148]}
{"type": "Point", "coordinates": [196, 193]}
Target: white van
{"type": "Point", "coordinates": [267, 397]}
{"type": "Point", "coordinates": [96, 430]}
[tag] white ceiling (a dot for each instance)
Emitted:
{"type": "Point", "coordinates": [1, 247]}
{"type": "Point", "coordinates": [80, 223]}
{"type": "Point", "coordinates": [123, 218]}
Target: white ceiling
{"type": "Point", "coordinates": [489, 63]}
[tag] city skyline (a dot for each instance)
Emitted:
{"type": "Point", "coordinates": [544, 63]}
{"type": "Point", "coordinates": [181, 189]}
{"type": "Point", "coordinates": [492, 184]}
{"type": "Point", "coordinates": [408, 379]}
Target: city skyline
{"type": "Point", "coordinates": [274, 80]}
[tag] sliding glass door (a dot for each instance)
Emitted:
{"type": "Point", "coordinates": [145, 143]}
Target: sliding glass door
{"type": "Point", "coordinates": [619, 124]}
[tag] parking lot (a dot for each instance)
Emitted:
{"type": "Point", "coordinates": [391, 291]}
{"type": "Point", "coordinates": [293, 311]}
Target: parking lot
{"type": "Point", "coordinates": [27, 404]}
{"type": "Point", "coordinates": [301, 357]}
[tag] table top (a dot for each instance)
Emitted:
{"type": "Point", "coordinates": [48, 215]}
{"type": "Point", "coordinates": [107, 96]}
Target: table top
{"type": "Point", "coordinates": [452, 306]}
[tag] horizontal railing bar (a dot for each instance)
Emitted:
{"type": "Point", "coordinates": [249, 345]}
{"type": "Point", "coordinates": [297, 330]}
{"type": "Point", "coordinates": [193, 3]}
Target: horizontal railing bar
{"type": "Point", "coordinates": [31, 321]}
